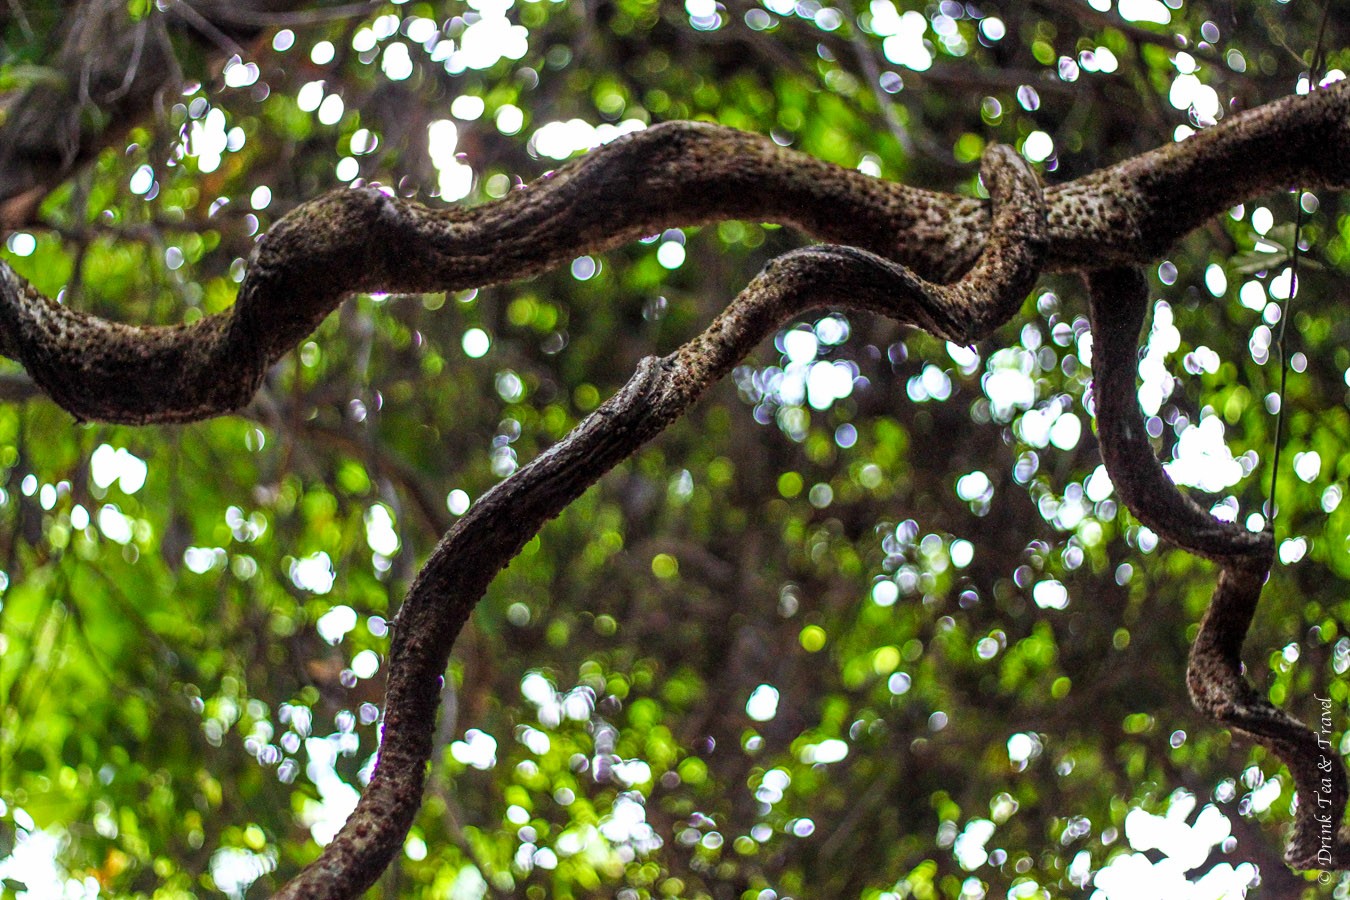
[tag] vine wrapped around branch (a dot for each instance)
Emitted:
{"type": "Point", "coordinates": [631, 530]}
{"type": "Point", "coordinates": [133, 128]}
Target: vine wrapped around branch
{"type": "Point", "coordinates": [896, 251]}
{"type": "Point", "coordinates": [498, 525]}
{"type": "Point", "coordinates": [671, 175]}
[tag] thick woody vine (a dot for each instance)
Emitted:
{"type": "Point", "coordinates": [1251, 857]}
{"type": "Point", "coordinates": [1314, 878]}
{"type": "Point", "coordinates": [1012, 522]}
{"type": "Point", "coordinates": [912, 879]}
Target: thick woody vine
{"type": "Point", "coordinates": [955, 267]}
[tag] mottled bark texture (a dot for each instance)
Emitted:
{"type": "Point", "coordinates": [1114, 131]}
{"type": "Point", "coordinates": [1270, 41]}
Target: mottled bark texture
{"type": "Point", "coordinates": [956, 267]}
{"type": "Point", "coordinates": [1118, 299]}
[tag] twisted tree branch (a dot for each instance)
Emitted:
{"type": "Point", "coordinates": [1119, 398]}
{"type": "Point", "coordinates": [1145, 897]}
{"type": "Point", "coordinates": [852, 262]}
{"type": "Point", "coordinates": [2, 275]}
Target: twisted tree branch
{"type": "Point", "coordinates": [1119, 301]}
{"type": "Point", "coordinates": [498, 525]}
{"type": "Point", "coordinates": [899, 246]}
{"type": "Point", "coordinates": [677, 174]}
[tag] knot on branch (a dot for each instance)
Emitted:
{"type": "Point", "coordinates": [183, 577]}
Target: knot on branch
{"type": "Point", "coordinates": [350, 237]}
{"type": "Point", "coordinates": [1008, 266]}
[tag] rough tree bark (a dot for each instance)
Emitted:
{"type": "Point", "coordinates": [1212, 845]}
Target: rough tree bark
{"type": "Point", "coordinates": [955, 267]}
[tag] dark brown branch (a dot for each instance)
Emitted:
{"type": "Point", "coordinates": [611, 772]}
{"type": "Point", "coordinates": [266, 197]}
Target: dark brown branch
{"type": "Point", "coordinates": [1119, 300]}
{"type": "Point", "coordinates": [280, 14]}
{"type": "Point", "coordinates": [670, 175]}
{"type": "Point", "coordinates": [905, 244]}
{"type": "Point", "coordinates": [498, 525]}
{"type": "Point", "coordinates": [17, 387]}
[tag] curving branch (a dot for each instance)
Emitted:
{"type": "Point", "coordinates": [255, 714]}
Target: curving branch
{"type": "Point", "coordinates": [492, 532]}
{"type": "Point", "coordinates": [897, 251]}
{"type": "Point", "coordinates": [677, 174]}
{"type": "Point", "coordinates": [1118, 300]}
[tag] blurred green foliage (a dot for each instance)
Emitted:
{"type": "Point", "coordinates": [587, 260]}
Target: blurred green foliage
{"type": "Point", "coordinates": [891, 638]}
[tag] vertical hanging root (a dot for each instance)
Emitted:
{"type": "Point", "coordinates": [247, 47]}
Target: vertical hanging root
{"type": "Point", "coordinates": [1217, 686]}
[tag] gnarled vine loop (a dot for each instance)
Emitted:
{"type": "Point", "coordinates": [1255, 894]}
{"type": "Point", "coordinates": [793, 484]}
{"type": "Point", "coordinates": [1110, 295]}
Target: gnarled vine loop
{"type": "Point", "coordinates": [951, 265]}
{"type": "Point", "coordinates": [671, 175]}
{"type": "Point", "coordinates": [1119, 300]}
{"type": "Point", "coordinates": [499, 524]}
{"type": "Point", "coordinates": [680, 174]}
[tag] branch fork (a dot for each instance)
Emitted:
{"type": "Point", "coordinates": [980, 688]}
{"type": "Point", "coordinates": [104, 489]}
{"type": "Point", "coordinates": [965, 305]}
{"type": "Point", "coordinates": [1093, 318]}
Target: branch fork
{"type": "Point", "coordinates": [952, 266]}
